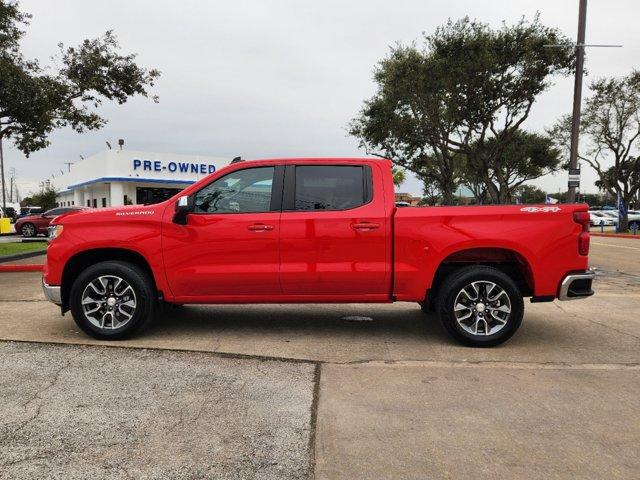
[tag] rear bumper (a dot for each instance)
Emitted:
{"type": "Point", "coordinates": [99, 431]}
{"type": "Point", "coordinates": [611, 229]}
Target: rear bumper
{"type": "Point", "coordinates": [576, 285]}
{"type": "Point", "coordinates": [52, 293]}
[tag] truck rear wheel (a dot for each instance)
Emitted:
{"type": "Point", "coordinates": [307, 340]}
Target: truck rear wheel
{"type": "Point", "coordinates": [480, 306]}
{"type": "Point", "coordinates": [112, 300]}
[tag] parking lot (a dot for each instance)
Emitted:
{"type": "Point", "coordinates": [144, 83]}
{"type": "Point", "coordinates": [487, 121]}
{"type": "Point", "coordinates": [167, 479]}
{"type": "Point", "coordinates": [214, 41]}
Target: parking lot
{"type": "Point", "coordinates": [331, 391]}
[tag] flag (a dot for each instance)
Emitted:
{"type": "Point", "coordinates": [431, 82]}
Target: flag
{"type": "Point", "coordinates": [550, 200]}
{"type": "Point", "coordinates": [622, 208]}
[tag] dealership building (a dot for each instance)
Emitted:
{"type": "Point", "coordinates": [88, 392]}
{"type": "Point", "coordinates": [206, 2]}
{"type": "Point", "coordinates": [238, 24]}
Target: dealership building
{"type": "Point", "coordinates": [124, 177]}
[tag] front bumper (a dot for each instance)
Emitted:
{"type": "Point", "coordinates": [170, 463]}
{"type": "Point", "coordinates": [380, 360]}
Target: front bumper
{"type": "Point", "coordinates": [576, 285]}
{"type": "Point", "coordinates": [52, 293]}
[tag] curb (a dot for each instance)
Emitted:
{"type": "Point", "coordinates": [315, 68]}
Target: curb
{"type": "Point", "coordinates": [614, 235]}
{"type": "Point", "coordinates": [21, 268]}
{"type": "Point", "coordinates": [20, 256]}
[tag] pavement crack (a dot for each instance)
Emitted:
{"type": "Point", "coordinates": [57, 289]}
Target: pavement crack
{"type": "Point", "coordinates": [313, 421]}
{"type": "Point", "coordinates": [38, 396]}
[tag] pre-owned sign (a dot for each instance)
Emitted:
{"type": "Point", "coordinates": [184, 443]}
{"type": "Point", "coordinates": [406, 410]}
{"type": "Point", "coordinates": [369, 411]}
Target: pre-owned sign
{"type": "Point", "coordinates": [182, 167]}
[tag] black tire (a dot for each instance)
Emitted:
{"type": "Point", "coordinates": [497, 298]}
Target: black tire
{"type": "Point", "coordinates": [451, 289]}
{"type": "Point", "coordinates": [29, 230]}
{"type": "Point", "coordinates": [145, 299]}
{"type": "Point", "coordinates": [427, 306]}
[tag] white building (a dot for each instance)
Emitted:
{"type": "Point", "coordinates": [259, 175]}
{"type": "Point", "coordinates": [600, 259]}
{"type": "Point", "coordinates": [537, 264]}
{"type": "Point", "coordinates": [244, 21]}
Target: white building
{"type": "Point", "coordinates": [125, 177]}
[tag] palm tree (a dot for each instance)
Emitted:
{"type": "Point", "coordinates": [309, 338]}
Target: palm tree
{"type": "Point", "coordinates": [398, 176]}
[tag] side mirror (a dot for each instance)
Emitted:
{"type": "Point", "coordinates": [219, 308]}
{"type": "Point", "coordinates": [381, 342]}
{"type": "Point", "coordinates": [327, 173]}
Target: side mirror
{"type": "Point", "coordinates": [184, 206]}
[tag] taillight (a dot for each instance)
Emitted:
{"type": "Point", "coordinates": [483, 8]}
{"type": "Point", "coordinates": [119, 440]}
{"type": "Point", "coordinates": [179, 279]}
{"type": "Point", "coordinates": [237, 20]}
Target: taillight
{"type": "Point", "coordinates": [583, 219]}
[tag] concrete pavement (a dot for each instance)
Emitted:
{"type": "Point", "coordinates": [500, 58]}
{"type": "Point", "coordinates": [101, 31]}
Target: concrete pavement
{"type": "Point", "coordinates": [465, 421]}
{"type": "Point", "coordinates": [395, 398]}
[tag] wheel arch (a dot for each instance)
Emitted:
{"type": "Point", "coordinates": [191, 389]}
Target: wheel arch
{"type": "Point", "coordinates": [81, 260]}
{"type": "Point", "coordinates": [507, 260]}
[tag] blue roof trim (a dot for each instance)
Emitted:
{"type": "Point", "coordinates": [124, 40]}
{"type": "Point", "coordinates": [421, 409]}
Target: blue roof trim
{"type": "Point", "coordinates": [129, 179]}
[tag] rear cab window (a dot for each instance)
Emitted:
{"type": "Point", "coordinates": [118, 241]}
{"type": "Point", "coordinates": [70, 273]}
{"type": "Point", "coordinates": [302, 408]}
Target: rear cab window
{"type": "Point", "coordinates": [328, 187]}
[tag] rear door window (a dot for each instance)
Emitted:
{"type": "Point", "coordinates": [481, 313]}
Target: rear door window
{"type": "Point", "coordinates": [330, 187]}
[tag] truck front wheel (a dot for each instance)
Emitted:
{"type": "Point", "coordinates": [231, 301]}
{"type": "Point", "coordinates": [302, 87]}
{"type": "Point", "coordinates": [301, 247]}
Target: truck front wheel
{"type": "Point", "coordinates": [112, 300]}
{"type": "Point", "coordinates": [480, 306]}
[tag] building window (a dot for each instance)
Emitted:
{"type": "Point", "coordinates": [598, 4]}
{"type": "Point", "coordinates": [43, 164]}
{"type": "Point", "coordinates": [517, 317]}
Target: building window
{"type": "Point", "coordinates": [104, 202]}
{"type": "Point", "coordinates": [148, 196]}
{"type": "Point", "coordinates": [88, 203]}
{"type": "Point", "coordinates": [95, 203]}
{"type": "Point", "coordinates": [73, 202]}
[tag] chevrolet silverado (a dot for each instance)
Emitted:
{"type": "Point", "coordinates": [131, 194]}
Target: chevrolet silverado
{"type": "Point", "coordinates": [315, 231]}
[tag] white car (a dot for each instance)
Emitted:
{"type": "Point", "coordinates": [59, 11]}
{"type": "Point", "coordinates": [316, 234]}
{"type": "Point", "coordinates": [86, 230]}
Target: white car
{"type": "Point", "coordinates": [599, 219]}
{"type": "Point", "coordinates": [634, 217]}
{"type": "Point", "coordinates": [612, 214]}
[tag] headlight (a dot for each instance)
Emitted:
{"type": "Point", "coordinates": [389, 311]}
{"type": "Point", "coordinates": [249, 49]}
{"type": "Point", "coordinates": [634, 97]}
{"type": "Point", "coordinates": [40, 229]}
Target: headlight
{"type": "Point", "coordinates": [55, 231]}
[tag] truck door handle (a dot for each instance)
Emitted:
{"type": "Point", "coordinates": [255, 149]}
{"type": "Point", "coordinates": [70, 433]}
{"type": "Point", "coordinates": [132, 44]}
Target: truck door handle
{"type": "Point", "coordinates": [365, 226]}
{"type": "Point", "coordinates": [260, 227]}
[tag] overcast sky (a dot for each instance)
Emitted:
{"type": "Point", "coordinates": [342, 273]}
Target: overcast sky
{"type": "Point", "coordinates": [281, 78]}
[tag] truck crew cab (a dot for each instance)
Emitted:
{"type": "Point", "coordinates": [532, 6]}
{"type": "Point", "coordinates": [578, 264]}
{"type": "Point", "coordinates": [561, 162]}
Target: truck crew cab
{"type": "Point", "coordinates": [315, 231]}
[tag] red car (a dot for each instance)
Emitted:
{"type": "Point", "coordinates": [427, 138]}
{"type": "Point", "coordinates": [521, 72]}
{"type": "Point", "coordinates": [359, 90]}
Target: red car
{"type": "Point", "coordinates": [32, 225]}
{"type": "Point", "coordinates": [315, 231]}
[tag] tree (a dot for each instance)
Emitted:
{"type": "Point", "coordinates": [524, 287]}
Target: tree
{"type": "Point", "coordinates": [611, 125]}
{"type": "Point", "coordinates": [46, 199]}
{"type": "Point", "coordinates": [467, 85]}
{"type": "Point", "coordinates": [398, 176]}
{"type": "Point", "coordinates": [35, 100]}
{"type": "Point", "coordinates": [530, 194]}
{"type": "Point", "coordinates": [430, 195]}
{"type": "Point", "coordinates": [501, 170]}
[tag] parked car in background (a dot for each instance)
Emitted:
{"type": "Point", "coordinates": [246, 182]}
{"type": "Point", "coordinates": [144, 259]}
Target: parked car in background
{"type": "Point", "coordinates": [613, 215]}
{"type": "Point", "coordinates": [10, 213]}
{"type": "Point", "coordinates": [32, 225]}
{"type": "Point", "coordinates": [28, 211]}
{"type": "Point", "coordinates": [600, 219]}
{"type": "Point", "coordinates": [634, 218]}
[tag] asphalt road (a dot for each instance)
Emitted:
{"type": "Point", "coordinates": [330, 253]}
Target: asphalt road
{"type": "Point", "coordinates": [389, 394]}
{"type": "Point", "coordinates": [76, 413]}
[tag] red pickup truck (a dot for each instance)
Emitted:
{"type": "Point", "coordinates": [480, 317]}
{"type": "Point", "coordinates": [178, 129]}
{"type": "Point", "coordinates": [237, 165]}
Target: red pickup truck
{"type": "Point", "coordinates": [315, 231]}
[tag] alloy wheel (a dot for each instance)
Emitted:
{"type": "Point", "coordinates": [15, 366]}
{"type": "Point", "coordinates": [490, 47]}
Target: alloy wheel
{"type": "Point", "coordinates": [108, 302]}
{"type": "Point", "coordinates": [28, 230]}
{"type": "Point", "coordinates": [482, 308]}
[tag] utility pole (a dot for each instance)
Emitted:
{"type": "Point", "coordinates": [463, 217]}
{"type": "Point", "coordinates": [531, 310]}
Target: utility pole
{"type": "Point", "coordinates": [577, 100]}
{"type": "Point", "coordinates": [574, 170]}
{"type": "Point", "coordinates": [12, 180]}
{"type": "Point", "coordinates": [4, 194]}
